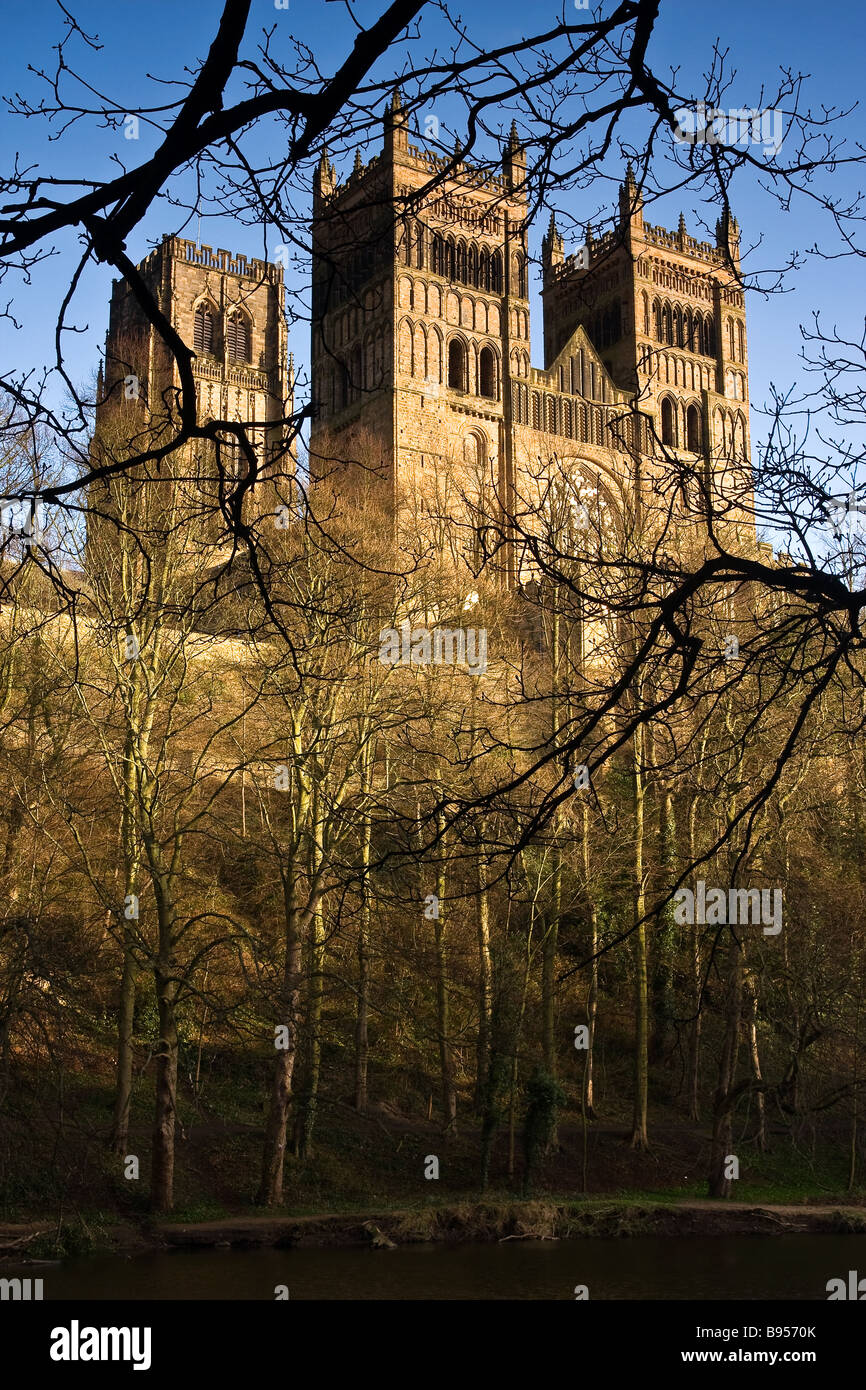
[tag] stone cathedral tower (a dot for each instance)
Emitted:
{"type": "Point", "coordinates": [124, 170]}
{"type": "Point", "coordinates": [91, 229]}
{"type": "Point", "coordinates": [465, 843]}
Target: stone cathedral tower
{"type": "Point", "coordinates": [667, 315]}
{"type": "Point", "coordinates": [231, 312]}
{"type": "Point", "coordinates": [421, 352]}
{"type": "Point", "coordinates": [420, 319]}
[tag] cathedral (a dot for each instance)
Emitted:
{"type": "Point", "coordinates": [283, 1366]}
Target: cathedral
{"type": "Point", "coordinates": [421, 353]}
{"type": "Point", "coordinates": [421, 336]}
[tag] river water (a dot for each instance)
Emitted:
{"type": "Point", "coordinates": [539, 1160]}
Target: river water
{"type": "Point", "coordinates": [644, 1267]}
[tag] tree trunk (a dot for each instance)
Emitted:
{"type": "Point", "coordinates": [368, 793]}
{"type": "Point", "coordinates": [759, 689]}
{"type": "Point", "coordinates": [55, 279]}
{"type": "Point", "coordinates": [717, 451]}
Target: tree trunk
{"type": "Point", "coordinates": [362, 1045]}
{"type": "Point", "coordinates": [270, 1192]}
{"type": "Point", "coordinates": [485, 981]}
{"type": "Point", "coordinates": [362, 1013]}
{"type": "Point", "coordinates": [694, 1058]}
{"type": "Point", "coordinates": [720, 1185]}
{"type": "Point", "coordinates": [125, 1050]}
{"type": "Point", "coordinates": [449, 1094]}
{"type": "Point", "coordinates": [663, 938]}
{"type": "Point", "coordinates": [305, 1119]}
{"type": "Point", "coordinates": [592, 991]}
{"type": "Point", "coordinates": [639, 1139]}
{"type": "Point", "coordinates": [694, 1061]}
{"type": "Point", "coordinates": [551, 936]}
{"type": "Point", "coordinates": [548, 971]}
{"type": "Point", "coordinates": [162, 1159]}
{"type": "Point", "coordinates": [751, 988]}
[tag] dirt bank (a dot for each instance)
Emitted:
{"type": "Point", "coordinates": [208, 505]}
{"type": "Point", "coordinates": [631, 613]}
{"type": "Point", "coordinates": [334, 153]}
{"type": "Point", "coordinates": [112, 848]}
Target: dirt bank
{"type": "Point", "coordinates": [479, 1221]}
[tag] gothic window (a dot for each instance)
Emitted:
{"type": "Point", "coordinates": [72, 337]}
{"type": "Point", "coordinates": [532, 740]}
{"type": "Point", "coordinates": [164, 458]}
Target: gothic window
{"type": "Point", "coordinates": [536, 411]}
{"type": "Point", "coordinates": [473, 265]}
{"type": "Point", "coordinates": [668, 425]}
{"type": "Point", "coordinates": [487, 374]}
{"type": "Point", "coordinates": [457, 365]}
{"type": "Point", "coordinates": [231, 461]}
{"type": "Point", "coordinates": [551, 415]}
{"type": "Point", "coordinates": [741, 343]}
{"type": "Point", "coordinates": [519, 277]}
{"type": "Point", "coordinates": [693, 429]}
{"type": "Point", "coordinates": [710, 336]}
{"type": "Point", "coordinates": [461, 262]}
{"type": "Point", "coordinates": [667, 326]}
{"type": "Point", "coordinates": [679, 328]}
{"type": "Point", "coordinates": [496, 273]}
{"type": "Point", "coordinates": [238, 338]}
{"type": "Point", "coordinates": [484, 269]}
{"type": "Point", "coordinates": [203, 333]}
{"type": "Point", "coordinates": [740, 437]}
{"type": "Point", "coordinates": [472, 452]}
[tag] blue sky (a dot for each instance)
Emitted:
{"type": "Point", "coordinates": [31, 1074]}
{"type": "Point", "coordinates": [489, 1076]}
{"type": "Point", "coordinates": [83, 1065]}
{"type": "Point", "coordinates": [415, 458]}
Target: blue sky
{"type": "Point", "coordinates": [161, 38]}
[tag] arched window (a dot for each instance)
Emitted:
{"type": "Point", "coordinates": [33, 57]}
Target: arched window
{"type": "Point", "coordinates": [519, 278]}
{"type": "Point", "coordinates": [203, 333]}
{"type": "Point", "coordinates": [472, 452]}
{"type": "Point", "coordinates": [667, 326]}
{"type": "Point", "coordinates": [484, 269]}
{"type": "Point", "coordinates": [231, 462]}
{"type": "Point", "coordinates": [238, 338]}
{"type": "Point", "coordinates": [668, 426]}
{"type": "Point", "coordinates": [693, 429]}
{"type": "Point", "coordinates": [496, 273]}
{"type": "Point", "coordinates": [472, 265]}
{"type": "Point", "coordinates": [487, 374]}
{"type": "Point", "coordinates": [461, 262]}
{"type": "Point", "coordinates": [457, 365]}
{"type": "Point", "coordinates": [741, 342]}
{"type": "Point", "coordinates": [710, 336]}
{"type": "Point", "coordinates": [699, 333]}
{"type": "Point", "coordinates": [680, 341]}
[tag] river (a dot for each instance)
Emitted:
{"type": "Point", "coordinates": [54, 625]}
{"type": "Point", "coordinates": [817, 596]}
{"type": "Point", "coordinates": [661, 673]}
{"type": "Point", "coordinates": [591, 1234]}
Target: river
{"type": "Point", "coordinates": [644, 1267]}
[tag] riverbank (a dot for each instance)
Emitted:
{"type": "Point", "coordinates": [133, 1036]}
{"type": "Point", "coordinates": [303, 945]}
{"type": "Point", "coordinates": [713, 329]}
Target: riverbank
{"type": "Point", "coordinates": [483, 1221]}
